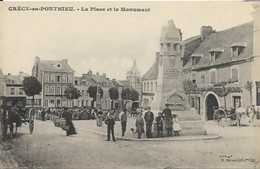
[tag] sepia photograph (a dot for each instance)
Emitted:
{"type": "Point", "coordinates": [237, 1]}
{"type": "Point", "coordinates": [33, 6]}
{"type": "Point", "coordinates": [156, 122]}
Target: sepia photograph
{"type": "Point", "coordinates": [130, 85]}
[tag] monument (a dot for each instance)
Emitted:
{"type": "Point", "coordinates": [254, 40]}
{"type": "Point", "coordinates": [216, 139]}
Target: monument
{"type": "Point", "coordinates": [170, 81]}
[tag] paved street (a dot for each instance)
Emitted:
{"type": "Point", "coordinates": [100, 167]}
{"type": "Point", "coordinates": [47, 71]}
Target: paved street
{"type": "Point", "coordinates": [50, 147]}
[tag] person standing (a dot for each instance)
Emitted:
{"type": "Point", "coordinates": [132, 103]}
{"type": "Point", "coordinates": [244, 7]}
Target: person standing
{"type": "Point", "coordinates": [68, 117]}
{"type": "Point", "coordinates": [159, 124]}
{"type": "Point", "coordinates": [99, 118]}
{"type": "Point", "coordinates": [149, 117]}
{"type": "Point", "coordinates": [176, 125]}
{"type": "Point", "coordinates": [123, 120]}
{"type": "Point", "coordinates": [167, 113]}
{"type": "Point", "coordinates": [110, 122]}
{"type": "Point", "coordinates": [43, 114]}
{"type": "Point", "coordinates": [139, 123]}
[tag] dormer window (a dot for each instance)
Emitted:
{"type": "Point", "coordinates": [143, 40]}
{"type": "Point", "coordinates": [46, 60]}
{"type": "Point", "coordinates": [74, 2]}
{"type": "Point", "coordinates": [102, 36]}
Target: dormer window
{"type": "Point", "coordinates": [215, 54]}
{"type": "Point", "coordinates": [237, 48]}
{"type": "Point", "coordinates": [195, 58]}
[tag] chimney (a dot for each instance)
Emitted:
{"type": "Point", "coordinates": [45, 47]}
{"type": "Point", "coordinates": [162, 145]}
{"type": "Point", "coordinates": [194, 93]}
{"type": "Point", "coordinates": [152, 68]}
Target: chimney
{"type": "Point", "coordinates": [206, 31]}
{"type": "Point", "coordinates": [104, 75]}
{"type": "Point", "coordinates": [97, 73]}
{"type": "Point", "coordinates": [65, 60]}
{"type": "Point", "coordinates": [89, 72]}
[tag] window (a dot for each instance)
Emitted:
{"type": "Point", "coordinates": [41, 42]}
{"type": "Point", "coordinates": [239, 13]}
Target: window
{"type": "Point", "coordinates": [46, 89]}
{"type": "Point", "coordinates": [144, 87]}
{"type": "Point", "coordinates": [46, 78]}
{"type": "Point", "coordinates": [147, 87]}
{"type": "Point", "coordinates": [202, 79]}
{"type": "Point", "coordinates": [193, 77]}
{"type": "Point", "coordinates": [214, 55]}
{"type": "Point", "coordinates": [151, 86]}
{"type": "Point", "coordinates": [52, 78]}
{"type": "Point", "coordinates": [52, 102]}
{"type": "Point", "coordinates": [234, 74]}
{"type": "Point", "coordinates": [20, 91]}
{"type": "Point", "coordinates": [52, 90]}
{"type": "Point", "coordinates": [236, 101]}
{"type": "Point", "coordinates": [76, 82]}
{"type": "Point", "coordinates": [213, 76]}
{"type": "Point", "coordinates": [70, 79]}
{"type": "Point", "coordinates": [168, 46]}
{"type": "Point", "coordinates": [195, 60]}
{"type": "Point", "coordinates": [46, 103]}
{"type": "Point", "coordinates": [12, 91]}
{"type": "Point", "coordinates": [58, 103]}
{"type": "Point", "coordinates": [82, 93]}
{"type": "Point", "coordinates": [175, 47]}
{"type": "Point", "coordinates": [236, 51]}
{"type": "Point", "coordinates": [58, 90]}
{"type": "Point", "coordinates": [64, 78]}
{"type": "Point", "coordinates": [58, 79]}
{"type": "Point", "coordinates": [63, 89]}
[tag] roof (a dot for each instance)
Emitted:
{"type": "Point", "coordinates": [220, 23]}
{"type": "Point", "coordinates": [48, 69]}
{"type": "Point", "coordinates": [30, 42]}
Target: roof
{"type": "Point", "coordinates": [85, 81]}
{"type": "Point", "coordinates": [12, 79]}
{"type": "Point", "coordinates": [242, 34]}
{"type": "Point", "coordinates": [152, 73]}
{"type": "Point", "coordinates": [125, 83]}
{"type": "Point", "coordinates": [58, 66]}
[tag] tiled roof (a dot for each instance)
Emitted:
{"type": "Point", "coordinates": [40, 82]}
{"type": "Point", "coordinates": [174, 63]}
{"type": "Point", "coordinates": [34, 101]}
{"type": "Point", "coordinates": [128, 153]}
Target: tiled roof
{"type": "Point", "coordinates": [58, 66]}
{"type": "Point", "coordinates": [152, 73]}
{"type": "Point", "coordinates": [242, 34]}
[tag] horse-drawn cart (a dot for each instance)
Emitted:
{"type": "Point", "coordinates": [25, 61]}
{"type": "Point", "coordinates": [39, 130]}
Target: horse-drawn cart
{"type": "Point", "coordinates": [234, 117]}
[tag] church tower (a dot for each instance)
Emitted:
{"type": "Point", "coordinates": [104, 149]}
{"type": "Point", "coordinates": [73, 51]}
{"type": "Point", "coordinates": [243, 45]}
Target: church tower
{"type": "Point", "coordinates": [169, 82]}
{"type": "Point", "coordinates": [133, 76]}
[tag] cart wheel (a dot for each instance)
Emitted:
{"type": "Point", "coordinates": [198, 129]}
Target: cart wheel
{"type": "Point", "coordinates": [220, 117]}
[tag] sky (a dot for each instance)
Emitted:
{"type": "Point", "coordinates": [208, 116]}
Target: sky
{"type": "Point", "coordinates": [104, 42]}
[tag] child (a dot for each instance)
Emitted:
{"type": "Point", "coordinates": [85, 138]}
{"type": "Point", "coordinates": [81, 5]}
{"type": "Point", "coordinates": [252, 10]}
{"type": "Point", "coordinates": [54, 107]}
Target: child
{"type": "Point", "coordinates": [110, 122]}
{"type": "Point", "coordinates": [159, 124]}
{"type": "Point", "coordinates": [176, 125]}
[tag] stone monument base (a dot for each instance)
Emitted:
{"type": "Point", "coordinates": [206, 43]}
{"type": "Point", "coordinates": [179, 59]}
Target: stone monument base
{"type": "Point", "coordinates": [190, 122]}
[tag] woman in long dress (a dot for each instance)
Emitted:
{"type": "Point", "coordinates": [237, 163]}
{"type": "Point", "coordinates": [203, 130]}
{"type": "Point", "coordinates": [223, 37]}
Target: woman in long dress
{"type": "Point", "coordinates": [99, 118]}
{"type": "Point", "coordinates": [68, 117]}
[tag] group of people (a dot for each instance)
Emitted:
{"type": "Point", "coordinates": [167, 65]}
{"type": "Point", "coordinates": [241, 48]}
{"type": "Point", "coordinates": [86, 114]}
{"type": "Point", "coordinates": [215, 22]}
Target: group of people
{"type": "Point", "coordinates": [164, 119]}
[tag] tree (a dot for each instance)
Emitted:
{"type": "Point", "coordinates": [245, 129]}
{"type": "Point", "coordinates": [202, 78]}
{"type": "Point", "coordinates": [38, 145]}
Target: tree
{"type": "Point", "coordinates": [92, 91]}
{"type": "Point", "coordinates": [32, 87]}
{"type": "Point", "coordinates": [130, 94]}
{"type": "Point", "coordinates": [113, 94]}
{"type": "Point", "coordinates": [72, 93]}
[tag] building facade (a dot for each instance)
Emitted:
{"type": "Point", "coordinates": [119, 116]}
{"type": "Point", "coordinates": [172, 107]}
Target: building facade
{"type": "Point", "coordinates": [216, 63]}
{"type": "Point", "coordinates": [14, 94]}
{"type": "Point", "coordinates": [90, 79]}
{"type": "Point", "coordinates": [55, 77]}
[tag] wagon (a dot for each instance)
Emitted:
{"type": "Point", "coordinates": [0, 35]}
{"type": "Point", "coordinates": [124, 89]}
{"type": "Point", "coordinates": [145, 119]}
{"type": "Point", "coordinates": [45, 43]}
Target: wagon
{"type": "Point", "coordinates": [224, 117]}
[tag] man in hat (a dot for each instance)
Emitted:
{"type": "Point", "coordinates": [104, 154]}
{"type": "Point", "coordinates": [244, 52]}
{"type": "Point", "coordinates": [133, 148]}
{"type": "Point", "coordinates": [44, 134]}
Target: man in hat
{"type": "Point", "coordinates": [149, 117]}
{"type": "Point", "coordinates": [167, 113]}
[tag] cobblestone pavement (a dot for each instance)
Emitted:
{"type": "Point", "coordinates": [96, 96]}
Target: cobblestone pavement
{"type": "Point", "coordinates": [49, 147]}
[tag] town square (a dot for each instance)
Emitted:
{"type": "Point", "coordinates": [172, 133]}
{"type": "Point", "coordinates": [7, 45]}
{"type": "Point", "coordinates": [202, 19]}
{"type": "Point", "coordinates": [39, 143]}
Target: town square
{"type": "Point", "coordinates": [160, 85]}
